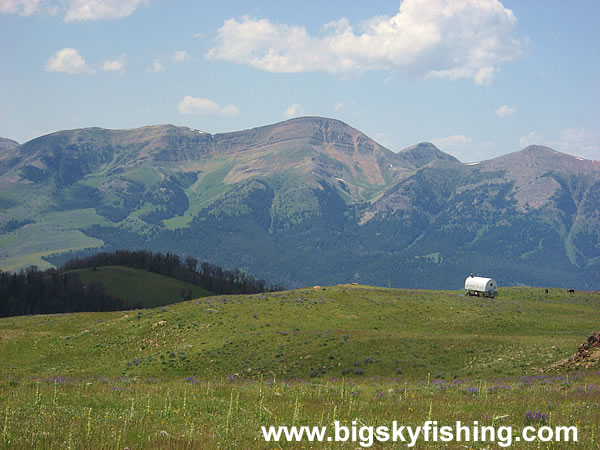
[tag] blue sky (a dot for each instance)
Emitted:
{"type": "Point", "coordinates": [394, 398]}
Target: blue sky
{"type": "Point", "coordinates": [477, 78]}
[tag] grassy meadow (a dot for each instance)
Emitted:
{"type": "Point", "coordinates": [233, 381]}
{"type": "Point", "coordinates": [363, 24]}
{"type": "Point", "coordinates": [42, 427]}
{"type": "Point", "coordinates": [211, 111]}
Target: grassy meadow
{"type": "Point", "coordinates": [140, 286]}
{"type": "Point", "coordinates": [208, 372]}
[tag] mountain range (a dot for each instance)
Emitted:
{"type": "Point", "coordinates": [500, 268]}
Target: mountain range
{"type": "Point", "coordinates": [306, 201]}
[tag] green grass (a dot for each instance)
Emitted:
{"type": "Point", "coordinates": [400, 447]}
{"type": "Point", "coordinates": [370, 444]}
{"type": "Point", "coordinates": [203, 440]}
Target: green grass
{"type": "Point", "coordinates": [102, 412]}
{"type": "Point", "coordinates": [208, 373]}
{"type": "Point", "coordinates": [140, 286]}
{"type": "Point", "coordinates": [27, 245]}
{"type": "Point", "coordinates": [56, 233]}
{"type": "Point", "coordinates": [209, 186]}
{"type": "Point", "coordinates": [297, 333]}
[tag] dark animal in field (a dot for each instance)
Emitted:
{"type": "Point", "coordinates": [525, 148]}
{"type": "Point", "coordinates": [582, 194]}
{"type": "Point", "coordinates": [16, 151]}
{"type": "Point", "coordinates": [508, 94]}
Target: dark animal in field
{"type": "Point", "coordinates": [571, 291]}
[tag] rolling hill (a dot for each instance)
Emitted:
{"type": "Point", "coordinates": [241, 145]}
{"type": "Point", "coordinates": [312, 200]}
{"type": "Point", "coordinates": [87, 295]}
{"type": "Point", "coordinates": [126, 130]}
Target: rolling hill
{"type": "Point", "coordinates": [210, 372]}
{"type": "Point", "coordinates": [306, 201]}
{"type": "Point", "coordinates": [139, 286]}
{"type": "Point", "coordinates": [332, 331]}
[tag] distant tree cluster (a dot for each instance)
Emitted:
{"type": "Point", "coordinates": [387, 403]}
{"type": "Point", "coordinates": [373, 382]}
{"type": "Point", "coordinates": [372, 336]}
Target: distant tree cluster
{"type": "Point", "coordinates": [206, 275]}
{"type": "Point", "coordinates": [14, 224]}
{"type": "Point", "coordinates": [33, 291]}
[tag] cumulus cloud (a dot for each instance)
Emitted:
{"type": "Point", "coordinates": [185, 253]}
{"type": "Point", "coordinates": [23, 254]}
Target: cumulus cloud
{"type": "Point", "coordinates": [156, 67]}
{"type": "Point", "coordinates": [198, 105]}
{"type": "Point", "coordinates": [505, 111]}
{"type": "Point", "coordinates": [294, 110]}
{"type": "Point", "coordinates": [431, 38]}
{"type": "Point", "coordinates": [68, 60]}
{"type": "Point", "coordinates": [181, 56]}
{"type": "Point", "coordinates": [20, 7]}
{"type": "Point", "coordinates": [574, 141]}
{"type": "Point", "coordinates": [84, 10]}
{"type": "Point", "coordinates": [116, 65]}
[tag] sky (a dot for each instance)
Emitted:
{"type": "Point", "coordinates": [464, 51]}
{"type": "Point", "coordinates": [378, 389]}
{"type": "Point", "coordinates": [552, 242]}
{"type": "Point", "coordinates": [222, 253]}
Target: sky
{"type": "Point", "coordinates": [478, 78]}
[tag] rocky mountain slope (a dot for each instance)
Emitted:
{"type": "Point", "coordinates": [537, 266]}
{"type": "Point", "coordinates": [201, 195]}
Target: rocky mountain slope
{"type": "Point", "coordinates": [306, 201]}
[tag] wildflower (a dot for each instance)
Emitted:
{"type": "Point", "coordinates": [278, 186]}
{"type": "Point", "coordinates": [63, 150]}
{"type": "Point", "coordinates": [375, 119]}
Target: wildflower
{"type": "Point", "coordinates": [535, 417]}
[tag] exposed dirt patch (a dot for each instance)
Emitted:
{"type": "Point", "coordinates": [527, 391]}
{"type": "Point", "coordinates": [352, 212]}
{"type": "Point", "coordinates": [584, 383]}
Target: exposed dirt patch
{"type": "Point", "coordinates": [587, 356]}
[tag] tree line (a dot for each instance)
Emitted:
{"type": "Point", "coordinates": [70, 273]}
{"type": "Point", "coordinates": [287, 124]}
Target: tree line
{"type": "Point", "coordinates": [33, 291]}
{"type": "Point", "coordinates": [206, 275]}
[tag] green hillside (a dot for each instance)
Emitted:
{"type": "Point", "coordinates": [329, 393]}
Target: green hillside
{"type": "Point", "coordinates": [140, 286]}
{"type": "Point", "coordinates": [345, 330]}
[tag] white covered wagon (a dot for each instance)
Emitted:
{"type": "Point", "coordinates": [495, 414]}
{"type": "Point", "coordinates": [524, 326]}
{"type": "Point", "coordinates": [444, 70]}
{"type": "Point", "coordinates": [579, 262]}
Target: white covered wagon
{"type": "Point", "coordinates": [481, 287]}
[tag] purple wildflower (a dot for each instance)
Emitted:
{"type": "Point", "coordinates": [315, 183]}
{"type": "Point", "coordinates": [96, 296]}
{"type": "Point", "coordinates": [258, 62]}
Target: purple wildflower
{"type": "Point", "coordinates": [535, 417]}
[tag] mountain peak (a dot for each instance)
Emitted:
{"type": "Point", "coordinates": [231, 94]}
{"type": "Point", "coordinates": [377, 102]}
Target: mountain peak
{"type": "Point", "coordinates": [315, 119]}
{"type": "Point", "coordinates": [7, 143]}
{"type": "Point", "coordinates": [540, 157]}
{"type": "Point", "coordinates": [322, 128]}
{"type": "Point", "coordinates": [534, 148]}
{"type": "Point", "coordinates": [424, 153]}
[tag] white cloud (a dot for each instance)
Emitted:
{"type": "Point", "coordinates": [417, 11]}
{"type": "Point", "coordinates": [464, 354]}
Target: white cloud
{"type": "Point", "coordinates": [485, 75]}
{"type": "Point", "coordinates": [84, 10]}
{"type": "Point", "coordinates": [20, 7]}
{"type": "Point", "coordinates": [531, 138]}
{"type": "Point", "coordinates": [462, 147]}
{"type": "Point", "coordinates": [75, 10]}
{"type": "Point", "coordinates": [197, 105]}
{"type": "Point", "coordinates": [156, 67]}
{"type": "Point", "coordinates": [294, 110]}
{"type": "Point", "coordinates": [452, 142]}
{"type": "Point", "coordinates": [431, 38]}
{"type": "Point", "coordinates": [181, 56]}
{"type": "Point", "coordinates": [580, 142]}
{"type": "Point", "coordinates": [68, 60]}
{"type": "Point", "coordinates": [116, 65]}
{"type": "Point", "coordinates": [505, 111]}
{"type": "Point", "coordinates": [573, 141]}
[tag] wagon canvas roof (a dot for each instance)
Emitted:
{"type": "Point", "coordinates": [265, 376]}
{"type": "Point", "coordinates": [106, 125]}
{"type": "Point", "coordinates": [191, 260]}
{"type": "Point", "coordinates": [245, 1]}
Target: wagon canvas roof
{"type": "Point", "coordinates": [479, 283]}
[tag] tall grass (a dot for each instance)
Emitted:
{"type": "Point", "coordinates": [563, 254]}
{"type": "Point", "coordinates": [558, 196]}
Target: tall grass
{"type": "Point", "coordinates": [189, 413]}
{"type": "Point", "coordinates": [209, 373]}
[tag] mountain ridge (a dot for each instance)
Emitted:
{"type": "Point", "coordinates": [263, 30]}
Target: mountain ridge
{"type": "Point", "coordinates": [305, 201]}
